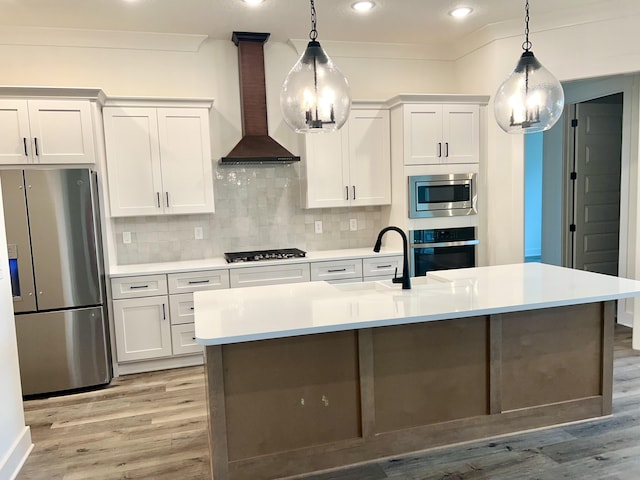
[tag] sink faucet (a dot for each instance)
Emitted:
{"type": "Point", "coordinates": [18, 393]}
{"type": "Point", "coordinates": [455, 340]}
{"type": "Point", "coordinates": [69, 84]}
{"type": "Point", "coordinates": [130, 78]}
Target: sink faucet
{"type": "Point", "coordinates": [406, 282]}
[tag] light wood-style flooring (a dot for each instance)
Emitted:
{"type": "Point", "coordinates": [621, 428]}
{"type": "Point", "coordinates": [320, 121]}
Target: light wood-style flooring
{"type": "Point", "coordinates": [153, 426]}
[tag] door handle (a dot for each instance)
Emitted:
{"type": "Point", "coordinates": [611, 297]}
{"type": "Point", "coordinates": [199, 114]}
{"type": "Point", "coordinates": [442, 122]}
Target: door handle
{"type": "Point", "coordinates": [346, 189]}
{"type": "Point", "coordinates": [439, 149]}
{"type": "Point", "coordinates": [158, 199]}
{"type": "Point", "coordinates": [24, 142]}
{"type": "Point", "coordinates": [446, 149]}
{"type": "Point", "coordinates": [167, 195]}
{"type": "Point", "coordinates": [35, 141]}
{"type": "Point", "coordinates": [354, 192]}
{"type": "Point", "coordinates": [164, 312]}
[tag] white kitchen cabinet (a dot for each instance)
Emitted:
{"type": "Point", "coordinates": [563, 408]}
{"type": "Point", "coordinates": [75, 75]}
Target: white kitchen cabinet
{"type": "Point", "coordinates": [142, 328]}
{"type": "Point", "coordinates": [183, 338]}
{"type": "Point", "coordinates": [269, 275]}
{"type": "Point", "coordinates": [337, 270]}
{"type": "Point", "coordinates": [158, 160]}
{"type": "Point", "coordinates": [375, 268]}
{"type": "Point", "coordinates": [351, 167]}
{"type": "Point", "coordinates": [46, 132]}
{"type": "Point", "coordinates": [441, 134]}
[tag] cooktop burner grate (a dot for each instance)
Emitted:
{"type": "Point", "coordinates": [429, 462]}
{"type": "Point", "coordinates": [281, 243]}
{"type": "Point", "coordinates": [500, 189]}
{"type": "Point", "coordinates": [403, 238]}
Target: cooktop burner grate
{"type": "Point", "coordinates": [257, 255]}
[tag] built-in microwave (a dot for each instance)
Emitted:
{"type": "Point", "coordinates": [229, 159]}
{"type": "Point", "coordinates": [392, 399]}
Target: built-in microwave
{"type": "Point", "coordinates": [442, 195]}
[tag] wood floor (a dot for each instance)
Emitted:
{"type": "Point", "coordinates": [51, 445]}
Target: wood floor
{"type": "Point", "coordinates": [153, 426]}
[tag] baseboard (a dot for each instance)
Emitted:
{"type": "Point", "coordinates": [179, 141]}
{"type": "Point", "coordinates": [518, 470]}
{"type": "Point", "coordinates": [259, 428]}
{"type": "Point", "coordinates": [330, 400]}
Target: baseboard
{"type": "Point", "coordinates": [13, 461]}
{"type": "Point", "coordinates": [159, 364]}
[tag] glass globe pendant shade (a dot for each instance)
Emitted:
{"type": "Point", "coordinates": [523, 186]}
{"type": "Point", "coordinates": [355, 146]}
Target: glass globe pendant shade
{"type": "Point", "coordinates": [530, 100]}
{"type": "Point", "coordinates": [315, 95]}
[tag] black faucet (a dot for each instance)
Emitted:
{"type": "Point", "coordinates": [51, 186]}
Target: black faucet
{"type": "Point", "coordinates": [406, 282]}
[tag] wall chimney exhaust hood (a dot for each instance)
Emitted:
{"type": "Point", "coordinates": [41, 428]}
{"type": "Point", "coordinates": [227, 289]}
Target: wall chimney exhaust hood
{"type": "Point", "coordinates": [256, 146]}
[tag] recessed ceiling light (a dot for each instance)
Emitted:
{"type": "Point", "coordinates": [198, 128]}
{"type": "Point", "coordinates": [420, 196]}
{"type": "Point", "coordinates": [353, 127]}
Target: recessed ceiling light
{"type": "Point", "coordinates": [253, 2]}
{"type": "Point", "coordinates": [363, 6]}
{"type": "Point", "coordinates": [461, 12]}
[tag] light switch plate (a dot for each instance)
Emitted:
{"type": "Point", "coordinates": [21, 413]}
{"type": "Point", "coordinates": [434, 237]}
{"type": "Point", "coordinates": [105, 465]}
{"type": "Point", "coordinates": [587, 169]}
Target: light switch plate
{"type": "Point", "coordinates": [126, 237]}
{"type": "Point", "coordinates": [197, 233]}
{"type": "Point", "coordinates": [353, 224]}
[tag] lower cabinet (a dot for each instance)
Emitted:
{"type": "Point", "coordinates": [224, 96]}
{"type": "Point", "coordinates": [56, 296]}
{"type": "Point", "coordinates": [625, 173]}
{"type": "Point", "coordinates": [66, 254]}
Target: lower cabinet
{"type": "Point", "coordinates": [183, 338]}
{"type": "Point", "coordinates": [142, 327]}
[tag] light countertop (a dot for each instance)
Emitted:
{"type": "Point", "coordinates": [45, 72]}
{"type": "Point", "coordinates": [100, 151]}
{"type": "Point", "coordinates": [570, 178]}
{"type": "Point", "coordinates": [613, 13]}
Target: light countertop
{"type": "Point", "coordinates": [220, 262]}
{"type": "Point", "coordinates": [275, 311]}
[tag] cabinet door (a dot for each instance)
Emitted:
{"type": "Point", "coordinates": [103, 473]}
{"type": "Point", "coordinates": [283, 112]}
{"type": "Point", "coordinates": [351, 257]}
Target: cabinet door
{"type": "Point", "coordinates": [143, 329]}
{"type": "Point", "coordinates": [461, 129]}
{"type": "Point", "coordinates": [15, 138]}
{"type": "Point", "coordinates": [269, 275]}
{"type": "Point", "coordinates": [325, 169]}
{"type": "Point", "coordinates": [369, 157]}
{"type": "Point", "coordinates": [185, 154]}
{"type": "Point", "coordinates": [61, 131]}
{"type": "Point", "coordinates": [422, 134]}
{"type": "Point", "coordinates": [133, 161]}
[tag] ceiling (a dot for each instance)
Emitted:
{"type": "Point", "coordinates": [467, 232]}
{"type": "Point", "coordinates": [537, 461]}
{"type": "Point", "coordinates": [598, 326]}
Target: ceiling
{"type": "Point", "coordinates": [422, 22]}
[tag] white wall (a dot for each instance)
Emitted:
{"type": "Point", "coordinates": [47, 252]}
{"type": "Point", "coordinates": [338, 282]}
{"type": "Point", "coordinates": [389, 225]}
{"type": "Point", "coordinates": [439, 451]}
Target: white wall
{"type": "Point", "coordinates": [15, 437]}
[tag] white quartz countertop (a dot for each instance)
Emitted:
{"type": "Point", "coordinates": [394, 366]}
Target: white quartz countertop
{"type": "Point", "coordinates": [257, 313]}
{"type": "Point", "coordinates": [220, 262]}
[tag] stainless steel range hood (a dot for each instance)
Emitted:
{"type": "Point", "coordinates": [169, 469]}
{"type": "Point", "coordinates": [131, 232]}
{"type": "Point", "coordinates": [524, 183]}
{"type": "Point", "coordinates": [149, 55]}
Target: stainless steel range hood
{"type": "Point", "coordinates": [256, 146]}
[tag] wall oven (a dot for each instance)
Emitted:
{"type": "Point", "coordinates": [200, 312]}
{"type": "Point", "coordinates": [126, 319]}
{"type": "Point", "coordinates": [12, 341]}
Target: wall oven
{"type": "Point", "coordinates": [442, 195]}
{"type": "Point", "coordinates": [442, 249]}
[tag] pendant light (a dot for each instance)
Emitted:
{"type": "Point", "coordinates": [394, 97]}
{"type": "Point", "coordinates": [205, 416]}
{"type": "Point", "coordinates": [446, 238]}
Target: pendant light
{"type": "Point", "coordinates": [531, 99]}
{"type": "Point", "coordinates": [315, 95]}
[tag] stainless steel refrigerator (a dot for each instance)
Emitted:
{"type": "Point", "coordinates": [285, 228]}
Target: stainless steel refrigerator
{"type": "Point", "coordinates": [57, 279]}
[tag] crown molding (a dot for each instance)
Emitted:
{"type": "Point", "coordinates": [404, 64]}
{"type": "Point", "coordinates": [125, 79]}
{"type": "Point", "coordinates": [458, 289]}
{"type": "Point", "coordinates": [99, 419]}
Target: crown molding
{"type": "Point", "coordinates": [67, 37]}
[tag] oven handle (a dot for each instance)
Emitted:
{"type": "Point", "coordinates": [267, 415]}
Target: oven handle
{"type": "Point", "coordinates": [461, 243]}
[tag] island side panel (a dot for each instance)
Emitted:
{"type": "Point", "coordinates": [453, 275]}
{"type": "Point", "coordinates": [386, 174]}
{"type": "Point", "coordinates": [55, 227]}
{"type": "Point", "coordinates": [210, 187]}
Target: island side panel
{"type": "Point", "coordinates": [552, 355]}
{"type": "Point", "coordinates": [608, 332]}
{"type": "Point", "coordinates": [216, 414]}
{"type": "Point", "coordinates": [290, 393]}
{"type": "Point", "coordinates": [433, 372]}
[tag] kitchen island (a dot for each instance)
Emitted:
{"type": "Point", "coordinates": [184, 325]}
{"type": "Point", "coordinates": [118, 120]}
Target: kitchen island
{"type": "Point", "coordinates": [314, 376]}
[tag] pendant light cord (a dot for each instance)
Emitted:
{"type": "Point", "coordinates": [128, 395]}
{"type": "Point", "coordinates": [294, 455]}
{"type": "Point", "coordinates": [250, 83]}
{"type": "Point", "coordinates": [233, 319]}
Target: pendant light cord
{"type": "Point", "coordinates": [526, 45]}
{"type": "Point", "coordinates": [313, 34]}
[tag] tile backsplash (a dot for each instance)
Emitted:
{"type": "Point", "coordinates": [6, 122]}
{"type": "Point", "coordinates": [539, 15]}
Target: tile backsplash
{"type": "Point", "coordinates": [257, 207]}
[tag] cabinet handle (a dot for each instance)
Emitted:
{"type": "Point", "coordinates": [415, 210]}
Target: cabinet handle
{"type": "Point", "coordinates": [354, 192]}
{"type": "Point", "coordinates": [35, 140]}
{"type": "Point", "coordinates": [346, 189]}
{"type": "Point", "coordinates": [167, 195]}
{"type": "Point", "coordinates": [439, 149]}
{"type": "Point", "coordinates": [158, 198]}
{"type": "Point", "coordinates": [164, 312]}
{"type": "Point", "coordinates": [446, 149]}
{"type": "Point", "coordinates": [193, 338]}
{"type": "Point", "coordinates": [191, 308]}
{"type": "Point", "coordinates": [24, 142]}
{"type": "Point", "coordinates": [133, 287]}
{"type": "Point", "coordinates": [195, 282]}
{"type": "Point", "coordinates": [384, 266]}
{"type": "Point", "coordinates": [337, 270]}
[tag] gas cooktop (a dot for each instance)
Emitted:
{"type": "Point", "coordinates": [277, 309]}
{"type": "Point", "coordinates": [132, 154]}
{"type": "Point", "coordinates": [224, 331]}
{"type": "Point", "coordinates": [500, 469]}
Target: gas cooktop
{"type": "Point", "coordinates": [257, 255]}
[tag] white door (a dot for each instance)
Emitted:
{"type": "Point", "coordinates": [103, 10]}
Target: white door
{"type": "Point", "coordinates": [143, 329]}
{"type": "Point", "coordinates": [62, 131]}
{"type": "Point", "coordinates": [133, 161]}
{"type": "Point", "coordinates": [422, 134]}
{"type": "Point", "coordinates": [598, 140]}
{"type": "Point", "coordinates": [327, 179]}
{"type": "Point", "coordinates": [369, 157]}
{"type": "Point", "coordinates": [185, 154]}
{"type": "Point", "coordinates": [460, 132]}
{"type": "Point", "coordinates": [15, 138]}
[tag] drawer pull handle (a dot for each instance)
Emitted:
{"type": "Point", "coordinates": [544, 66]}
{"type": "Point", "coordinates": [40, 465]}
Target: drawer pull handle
{"type": "Point", "coordinates": [337, 270]}
{"type": "Point", "coordinates": [133, 287]}
{"type": "Point", "coordinates": [384, 266]}
{"type": "Point", "coordinates": [191, 308]}
{"type": "Point", "coordinates": [195, 282]}
{"type": "Point", "coordinates": [193, 338]}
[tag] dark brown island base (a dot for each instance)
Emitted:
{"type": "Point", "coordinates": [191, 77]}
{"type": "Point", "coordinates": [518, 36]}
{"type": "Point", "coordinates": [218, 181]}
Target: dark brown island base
{"type": "Point", "coordinates": [286, 407]}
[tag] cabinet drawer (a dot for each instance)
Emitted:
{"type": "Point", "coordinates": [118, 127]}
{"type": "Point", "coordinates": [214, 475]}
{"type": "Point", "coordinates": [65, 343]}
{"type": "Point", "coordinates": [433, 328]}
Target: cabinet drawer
{"type": "Point", "coordinates": [183, 340]}
{"type": "Point", "coordinates": [194, 281]}
{"type": "Point", "coordinates": [381, 266]}
{"type": "Point", "coordinates": [336, 270]}
{"type": "Point", "coordinates": [181, 308]}
{"type": "Point", "coordinates": [138, 286]}
{"type": "Point", "coordinates": [269, 275]}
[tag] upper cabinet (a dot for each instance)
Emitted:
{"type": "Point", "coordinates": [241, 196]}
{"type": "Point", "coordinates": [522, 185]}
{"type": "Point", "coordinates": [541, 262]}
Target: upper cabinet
{"type": "Point", "coordinates": [441, 133]}
{"type": "Point", "coordinates": [351, 167]}
{"type": "Point", "coordinates": [158, 160]}
{"type": "Point", "coordinates": [46, 132]}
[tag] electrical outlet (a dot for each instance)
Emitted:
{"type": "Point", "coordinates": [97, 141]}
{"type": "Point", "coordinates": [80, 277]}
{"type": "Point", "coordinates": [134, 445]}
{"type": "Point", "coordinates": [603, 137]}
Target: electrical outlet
{"type": "Point", "coordinates": [353, 224]}
{"type": "Point", "coordinates": [197, 233]}
{"type": "Point", "coordinates": [126, 237]}
{"type": "Point", "coordinates": [318, 226]}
